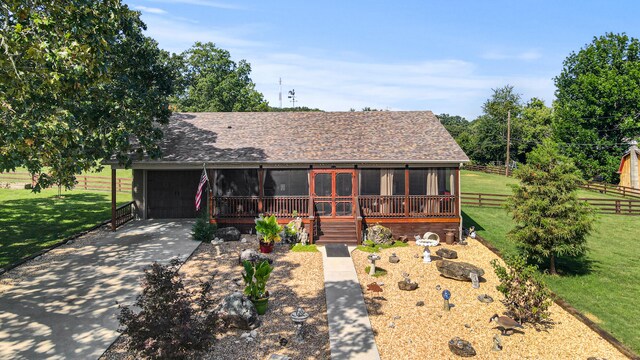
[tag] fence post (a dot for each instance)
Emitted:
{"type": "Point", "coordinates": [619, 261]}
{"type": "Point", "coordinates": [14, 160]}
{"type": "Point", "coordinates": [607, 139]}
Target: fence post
{"type": "Point", "coordinates": [85, 182]}
{"type": "Point", "coordinates": [479, 199]}
{"type": "Point", "coordinates": [618, 207]}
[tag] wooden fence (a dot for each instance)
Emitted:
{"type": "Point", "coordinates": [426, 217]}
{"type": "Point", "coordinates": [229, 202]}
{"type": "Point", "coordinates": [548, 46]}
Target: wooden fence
{"type": "Point", "coordinates": [83, 182]}
{"type": "Point", "coordinates": [600, 187]}
{"type": "Point", "coordinates": [603, 206]}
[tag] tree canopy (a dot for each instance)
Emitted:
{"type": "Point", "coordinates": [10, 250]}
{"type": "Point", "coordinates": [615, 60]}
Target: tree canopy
{"type": "Point", "coordinates": [550, 219]}
{"type": "Point", "coordinates": [598, 92]}
{"type": "Point", "coordinates": [80, 83]}
{"type": "Point", "coordinates": [214, 82]}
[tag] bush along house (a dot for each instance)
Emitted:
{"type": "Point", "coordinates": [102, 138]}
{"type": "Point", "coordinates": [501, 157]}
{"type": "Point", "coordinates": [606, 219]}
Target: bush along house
{"type": "Point", "coordinates": [339, 171]}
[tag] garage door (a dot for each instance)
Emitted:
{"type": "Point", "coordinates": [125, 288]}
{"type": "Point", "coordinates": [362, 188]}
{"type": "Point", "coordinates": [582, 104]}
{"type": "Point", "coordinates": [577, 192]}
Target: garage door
{"type": "Point", "coordinates": [171, 194]}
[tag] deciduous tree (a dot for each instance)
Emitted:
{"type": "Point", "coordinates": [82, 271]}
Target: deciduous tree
{"type": "Point", "coordinates": [598, 92]}
{"type": "Point", "coordinates": [214, 82]}
{"type": "Point", "coordinates": [80, 82]}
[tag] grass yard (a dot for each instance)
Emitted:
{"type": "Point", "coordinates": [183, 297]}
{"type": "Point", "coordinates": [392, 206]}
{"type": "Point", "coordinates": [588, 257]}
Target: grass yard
{"type": "Point", "coordinates": [32, 221]}
{"type": "Point", "coordinates": [604, 285]}
{"type": "Point", "coordinates": [479, 182]}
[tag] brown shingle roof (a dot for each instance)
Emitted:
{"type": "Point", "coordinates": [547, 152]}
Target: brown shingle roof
{"type": "Point", "coordinates": [309, 137]}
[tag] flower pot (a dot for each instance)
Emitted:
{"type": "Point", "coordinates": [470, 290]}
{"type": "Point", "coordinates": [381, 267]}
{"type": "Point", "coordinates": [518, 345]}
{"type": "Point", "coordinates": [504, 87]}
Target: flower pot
{"type": "Point", "coordinates": [261, 305]}
{"type": "Point", "coordinates": [266, 248]}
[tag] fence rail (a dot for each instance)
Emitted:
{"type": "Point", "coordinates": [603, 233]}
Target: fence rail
{"type": "Point", "coordinates": [83, 182]}
{"type": "Point", "coordinates": [601, 187]}
{"type": "Point", "coordinates": [125, 213]}
{"type": "Point", "coordinates": [603, 206]}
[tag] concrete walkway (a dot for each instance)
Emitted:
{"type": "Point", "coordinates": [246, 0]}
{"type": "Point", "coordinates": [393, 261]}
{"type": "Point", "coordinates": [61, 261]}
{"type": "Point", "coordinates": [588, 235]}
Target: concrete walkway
{"type": "Point", "coordinates": [350, 334]}
{"type": "Point", "coordinates": [65, 307]}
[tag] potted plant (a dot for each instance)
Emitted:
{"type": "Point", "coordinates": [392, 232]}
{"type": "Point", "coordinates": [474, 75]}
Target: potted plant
{"type": "Point", "coordinates": [255, 278]}
{"type": "Point", "coordinates": [269, 230]}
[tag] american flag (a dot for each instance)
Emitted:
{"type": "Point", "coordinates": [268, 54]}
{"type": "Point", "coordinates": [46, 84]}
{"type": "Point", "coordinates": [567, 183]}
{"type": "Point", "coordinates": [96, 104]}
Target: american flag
{"type": "Point", "coordinates": [203, 180]}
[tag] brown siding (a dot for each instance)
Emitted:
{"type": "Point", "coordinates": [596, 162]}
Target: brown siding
{"type": "Point", "coordinates": [419, 228]}
{"type": "Point", "coordinates": [171, 194]}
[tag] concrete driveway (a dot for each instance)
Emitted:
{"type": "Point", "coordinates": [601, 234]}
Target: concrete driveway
{"type": "Point", "coordinates": [63, 305]}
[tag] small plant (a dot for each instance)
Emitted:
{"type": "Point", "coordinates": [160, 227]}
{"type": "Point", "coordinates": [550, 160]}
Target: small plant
{"type": "Point", "coordinates": [371, 247]}
{"type": "Point", "coordinates": [527, 298]}
{"type": "Point", "coordinates": [379, 271]}
{"type": "Point", "coordinates": [269, 229]}
{"type": "Point", "coordinates": [203, 230]}
{"type": "Point", "coordinates": [173, 323]}
{"type": "Point", "coordinates": [255, 279]}
{"type": "Point", "coordinates": [304, 248]}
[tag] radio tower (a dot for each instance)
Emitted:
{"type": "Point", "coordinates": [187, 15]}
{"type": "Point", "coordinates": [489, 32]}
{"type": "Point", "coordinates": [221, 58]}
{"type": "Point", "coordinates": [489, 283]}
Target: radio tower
{"type": "Point", "coordinates": [280, 93]}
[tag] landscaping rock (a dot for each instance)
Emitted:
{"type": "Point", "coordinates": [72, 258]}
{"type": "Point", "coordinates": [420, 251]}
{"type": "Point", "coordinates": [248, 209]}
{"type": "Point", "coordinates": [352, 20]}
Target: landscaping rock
{"type": "Point", "coordinates": [403, 239]}
{"type": "Point", "coordinates": [237, 311]}
{"type": "Point", "coordinates": [253, 256]}
{"type": "Point", "coordinates": [228, 234]}
{"type": "Point", "coordinates": [394, 259]}
{"type": "Point", "coordinates": [457, 270]}
{"type": "Point", "coordinates": [461, 347]}
{"type": "Point", "coordinates": [407, 286]}
{"type": "Point", "coordinates": [485, 298]}
{"type": "Point", "coordinates": [379, 234]}
{"type": "Point", "coordinates": [420, 303]}
{"type": "Point", "coordinates": [447, 253]}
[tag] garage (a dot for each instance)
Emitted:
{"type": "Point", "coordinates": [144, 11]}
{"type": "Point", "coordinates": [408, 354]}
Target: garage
{"type": "Point", "coordinates": [171, 194]}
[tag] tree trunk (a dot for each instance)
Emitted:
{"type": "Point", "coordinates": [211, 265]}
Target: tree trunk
{"type": "Point", "coordinates": [552, 264]}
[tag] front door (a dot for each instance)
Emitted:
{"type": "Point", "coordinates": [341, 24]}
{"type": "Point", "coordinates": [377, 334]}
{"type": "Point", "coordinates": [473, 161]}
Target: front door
{"type": "Point", "coordinates": [333, 191]}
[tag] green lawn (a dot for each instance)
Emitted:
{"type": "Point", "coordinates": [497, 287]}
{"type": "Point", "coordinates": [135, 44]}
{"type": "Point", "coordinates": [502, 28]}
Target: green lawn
{"type": "Point", "coordinates": [30, 222]}
{"type": "Point", "coordinates": [604, 285]}
{"type": "Point", "coordinates": [479, 182]}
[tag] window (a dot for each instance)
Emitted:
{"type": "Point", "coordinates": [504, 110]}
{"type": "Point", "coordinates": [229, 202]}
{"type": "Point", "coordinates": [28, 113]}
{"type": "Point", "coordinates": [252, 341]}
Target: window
{"type": "Point", "coordinates": [417, 181]}
{"type": "Point", "coordinates": [370, 182]}
{"type": "Point", "coordinates": [286, 182]}
{"type": "Point", "coordinates": [241, 182]}
{"type": "Point", "coordinates": [430, 181]}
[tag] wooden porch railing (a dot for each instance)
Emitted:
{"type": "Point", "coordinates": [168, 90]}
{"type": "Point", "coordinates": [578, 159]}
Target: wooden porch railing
{"type": "Point", "coordinates": [247, 206]}
{"type": "Point", "coordinates": [413, 206]}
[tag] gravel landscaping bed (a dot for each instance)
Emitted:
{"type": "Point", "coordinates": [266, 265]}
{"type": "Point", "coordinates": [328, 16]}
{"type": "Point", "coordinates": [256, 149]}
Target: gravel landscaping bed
{"type": "Point", "coordinates": [406, 331]}
{"type": "Point", "coordinates": [297, 280]}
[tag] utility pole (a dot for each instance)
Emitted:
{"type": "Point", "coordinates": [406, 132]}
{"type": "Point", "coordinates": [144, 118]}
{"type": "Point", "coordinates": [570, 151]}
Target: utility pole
{"type": "Point", "coordinates": [280, 93]}
{"type": "Point", "coordinates": [508, 141]}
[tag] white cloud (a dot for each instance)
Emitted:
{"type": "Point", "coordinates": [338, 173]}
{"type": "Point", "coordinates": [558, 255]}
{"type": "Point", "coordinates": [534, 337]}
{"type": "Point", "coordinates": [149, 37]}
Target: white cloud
{"type": "Point", "coordinates": [212, 4]}
{"type": "Point", "coordinates": [528, 55]}
{"type": "Point", "coordinates": [151, 10]}
{"type": "Point", "coordinates": [338, 82]}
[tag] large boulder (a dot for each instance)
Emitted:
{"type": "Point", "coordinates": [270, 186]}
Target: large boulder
{"type": "Point", "coordinates": [457, 270]}
{"type": "Point", "coordinates": [379, 234]}
{"type": "Point", "coordinates": [253, 256]}
{"type": "Point", "coordinates": [237, 311]}
{"type": "Point", "coordinates": [228, 234]}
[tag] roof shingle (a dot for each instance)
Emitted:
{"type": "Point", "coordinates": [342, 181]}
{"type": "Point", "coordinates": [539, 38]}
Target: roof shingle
{"type": "Point", "coordinates": [308, 137]}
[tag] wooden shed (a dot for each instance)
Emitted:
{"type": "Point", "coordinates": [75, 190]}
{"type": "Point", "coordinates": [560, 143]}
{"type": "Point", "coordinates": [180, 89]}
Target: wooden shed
{"type": "Point", "coordinates": [629, 170]}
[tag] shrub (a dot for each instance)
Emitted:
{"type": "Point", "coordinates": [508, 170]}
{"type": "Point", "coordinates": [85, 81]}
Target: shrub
{"type": "Point", "coordinates": [203, 230]}
{"type": "Point", "coordinates": [527, 298]}
{"type": "Point", "coordinates": [255, 279]}
{"type": "Point", "coordinates": [173, 322]}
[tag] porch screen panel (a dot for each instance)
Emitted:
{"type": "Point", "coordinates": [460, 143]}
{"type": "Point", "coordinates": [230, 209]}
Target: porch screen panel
{"type": "Point", "coordinates": [417, 181]}
{"type": "Point", "coordinates": [293, 182]}
{"type": "Point", "coordinates": [237, 182]}
{"type": "Point", "coordinates": [370, 182]}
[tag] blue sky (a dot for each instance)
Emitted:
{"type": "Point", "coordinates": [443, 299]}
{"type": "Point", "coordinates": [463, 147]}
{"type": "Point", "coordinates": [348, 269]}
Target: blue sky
{"type": "Point", "coordinates": [443, 56]}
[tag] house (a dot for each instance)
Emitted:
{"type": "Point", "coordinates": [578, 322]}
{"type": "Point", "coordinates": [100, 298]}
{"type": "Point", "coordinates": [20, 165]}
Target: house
{"type": "Point", "coordinates": [339, 171]}
{"type": "Point", "coordinates": [628, 170]}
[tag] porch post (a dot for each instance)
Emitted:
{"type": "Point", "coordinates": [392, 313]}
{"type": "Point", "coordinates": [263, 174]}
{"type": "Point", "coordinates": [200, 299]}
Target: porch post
{"type": "Point", "coordinates": [113, 199]}
{"type": "Point", "coordinates": [406, 191]}
{"type": "Point", "coordinates": [260, 189]}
